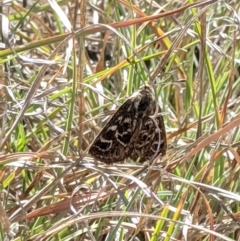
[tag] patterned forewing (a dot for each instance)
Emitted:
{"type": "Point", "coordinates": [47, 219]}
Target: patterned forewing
{"type": "Point", "coordinates": [150, 140]}
{"type": "Point", "coordinates": [112, 143]}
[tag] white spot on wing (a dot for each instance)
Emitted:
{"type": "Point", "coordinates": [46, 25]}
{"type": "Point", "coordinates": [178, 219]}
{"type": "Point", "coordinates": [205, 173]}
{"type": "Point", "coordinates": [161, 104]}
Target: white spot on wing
{"type": "Point", "coordinates": [112, 128]}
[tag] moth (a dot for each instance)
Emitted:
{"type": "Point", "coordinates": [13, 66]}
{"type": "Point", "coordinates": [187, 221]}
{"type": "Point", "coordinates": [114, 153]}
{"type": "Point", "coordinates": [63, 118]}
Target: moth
{"type": "Point", "coordinates": [132, 132]}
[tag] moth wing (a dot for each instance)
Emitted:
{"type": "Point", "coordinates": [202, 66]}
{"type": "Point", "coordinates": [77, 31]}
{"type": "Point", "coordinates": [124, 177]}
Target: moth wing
{"type": "Point", "coordinates": [111, 144]}
{"type": "Point", "coordinates": [150, 140]}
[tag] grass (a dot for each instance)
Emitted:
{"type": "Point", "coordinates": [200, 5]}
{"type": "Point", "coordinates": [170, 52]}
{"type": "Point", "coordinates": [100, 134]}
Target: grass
{"type": "Point", "coordinates": [55, 99]}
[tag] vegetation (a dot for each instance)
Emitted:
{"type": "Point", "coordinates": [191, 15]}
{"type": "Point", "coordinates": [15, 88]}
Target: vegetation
{"type": "Point", "coordinates": [66, 67]}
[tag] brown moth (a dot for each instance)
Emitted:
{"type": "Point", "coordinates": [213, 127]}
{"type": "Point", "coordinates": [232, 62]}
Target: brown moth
{"type": "Point", "coordinates": [132, 132]}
